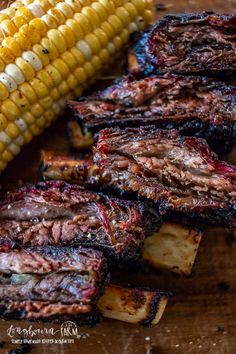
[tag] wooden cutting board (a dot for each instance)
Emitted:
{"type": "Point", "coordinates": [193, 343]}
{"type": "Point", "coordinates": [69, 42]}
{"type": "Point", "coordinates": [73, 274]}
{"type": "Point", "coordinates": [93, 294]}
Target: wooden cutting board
{"type": "Point", "coordinates": [201, 316]}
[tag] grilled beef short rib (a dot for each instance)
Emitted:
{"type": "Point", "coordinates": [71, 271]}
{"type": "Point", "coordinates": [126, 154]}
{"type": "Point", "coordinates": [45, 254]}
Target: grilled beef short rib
{"type": "Point", "coordinates": [51, 283]}
{"type": "Point", "coordinates": [180, 174]}
{"type": "Point", "coordinates": [59, 214]}
{"type": "Point", "coordinates": [186, 43]}
{"type": "Point", "coordinates": [194, 105]}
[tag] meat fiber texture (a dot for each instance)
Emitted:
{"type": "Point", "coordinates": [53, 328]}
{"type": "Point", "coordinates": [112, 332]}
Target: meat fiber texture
{"type": "Point", "coordinates": [186, 43]}
{"type": "Point", "coordinates": [50, 283]}
{"type": "Point", "coordinates": [194, 105]}
{"type": "Point", "coordinates": [180, 174]}
{"type": "Point", "coordinates": [59, 214]}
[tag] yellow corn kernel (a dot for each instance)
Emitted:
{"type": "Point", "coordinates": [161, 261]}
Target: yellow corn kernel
{"type": "Point", "coordinates": [26, 68]}
{"type": "Point", "coordinates": [65, 9]}
{"type": "Point", "coordinates": [7, 156]}
{"type": "Point", "coordinates": [3, 164]}
{"type": "Point", "coordinates": [39, 88]}
{"type": "Point", "coordinates": [60, 65]}
{"type": "Point", "coordinates": [80, 75]}
{"type": "Point", "coordinates": [116, 23]}
{"type": "Point", "coordinates": [70, 60]}
{"type": "Point", "coordinates": [72, 82]}
{"type": "Point", "coordinates": [31, 33]}
{"type": "Point", "coordinates": [57, 15]}
{"type": "Point", "coordinates": [109, 5]}
{"type": "Point", "coordinates": [148, 16]}
{"type": "Point", "coordinates": [78, 56]}
{"type": "Point", "coordinates": [54, 73]}
{"type": "Point", "coordinates": [12, 130]}
{"type": "Point", "coordinates": [92, 16]}
{"type": "Point", "coordinates": [3, 122]}
{"type": "Point", "coordinates": [101, 36]}
{"type": "Point", "coordinates": [24, 13]}
{"type": "Point", "coordinates": [49, 115]}
{"type": "Point", "coordinates": [22, 40]}
{"type": "Point", "coordinates": [36, 110]}
{"type": "Point", "coordinates": [96, 62]}
{"type": "Point", "coordinates": [88, 67]}
{"type": "Point", "coordinates": [49, 21]}
{"type": "Point", "coordinates": [28, 92]}
{"type": "Point", "coordinates": [55, 94]}
{"type": "Point", "coordinates": [123, 15]}
{"type": "Point", "coordinates": [3, 92]}
{"type": "Point", "coordinates": [131, 10]}
{"type": "Point", "coordinates": [39, 25]}
{"type": "Point", "coordinates": [100, 10]}
{"type": "Point", "coordinates": [63, 88]}
{"type": "Point", "coordinates": [43, 76]}
{"type": "Point", "coordinates": [75, 28]}
{"type": "Point", "coordinates": [19, 21]}
{"type": "Point", "coordinates": [46, 102]}
{"type": "Point", "coordinates": [8, 28]}
{"type": "Point", "coordinates": [104, 56]}
{"type": "Point", "coordinates": [41, 53]}
{"type": "Point", "coordinates": [57, 39]}
{"type": "Point", "coordinates": [28, 118]}
{"type": "Point", "coordinates": [93, 43]}
{"type": "Point", "coordinates": [84, 23]}
{"type": "Point", "coordinates": [20, 100]}
{"type": "Point", "coordinates": [27, 136]}
{"type": "Point", "coordinates": [10, 109]}
{"type": "Point", "coordinates": [50, 48]}
{"type": "Point", "coordinates": [35, 129]}
{"type": "Point", "coordinates": [41, 121]}
{"type": "Point", "coordinates": [68, 35]}
{"type": "Point", "coordinates": [6, 55]}
{"type": "Point", "coordinates": [108, 29]}
{"type": "Point", "coordinates": [12, 45]}
{"type": "Point", "coordinates": [139, 5]}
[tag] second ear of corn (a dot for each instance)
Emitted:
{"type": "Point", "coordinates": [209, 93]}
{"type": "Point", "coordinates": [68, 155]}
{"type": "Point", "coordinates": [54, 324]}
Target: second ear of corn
{"type": "Point", "coordinates": [50, 51]}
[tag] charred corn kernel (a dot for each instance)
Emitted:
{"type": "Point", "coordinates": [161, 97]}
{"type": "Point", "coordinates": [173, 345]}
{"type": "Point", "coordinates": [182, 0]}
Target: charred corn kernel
{"type": "Point", "coordinates": [10, 109]}
{"type": "Point", "coordinates": [50, 48]}
{"type": "Point", "coordinates": [41, 53]}
{"type": "Point", "coordinates": [3, 122]}
{"type": "Point", "coordinates": [28, 92]}
{"type": "Point", "coordinates": [20, 100]}
{"type": "Point", "coordinates": [68, 35]}
{"type": "Point", "coordinates": [50, 51]}
{"type": "Point", "coordinates": [26, 68]}
{"type": "Point", "coordinates": [58, 40]}
{"type": "Point", "coordinates": [12, 130]}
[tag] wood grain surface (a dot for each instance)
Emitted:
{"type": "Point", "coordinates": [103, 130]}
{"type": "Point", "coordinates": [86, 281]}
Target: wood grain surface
{"type": "Point", "coordinates": [201, 316]}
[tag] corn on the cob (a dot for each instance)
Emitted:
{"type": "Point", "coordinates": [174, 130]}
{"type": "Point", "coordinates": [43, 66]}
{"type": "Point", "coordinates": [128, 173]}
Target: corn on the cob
{"type": "Point", "coordinates": [50, 51]}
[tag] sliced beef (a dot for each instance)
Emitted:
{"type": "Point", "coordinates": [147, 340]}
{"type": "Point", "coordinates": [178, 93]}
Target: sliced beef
{"type": "Point", "coordinates": [186, 43]}
{"type": "Point", "coordinates": [194, 105]}
{"type": "Point", "coordinates": [57, 213]}
{"type": "Point", "coordinates": [180, 174]}
{"type": "Point", "coordinates": [49, 283]}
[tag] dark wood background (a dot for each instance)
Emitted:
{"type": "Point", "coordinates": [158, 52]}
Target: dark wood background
{"type": "Point", "coordinates": [201, 316]}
